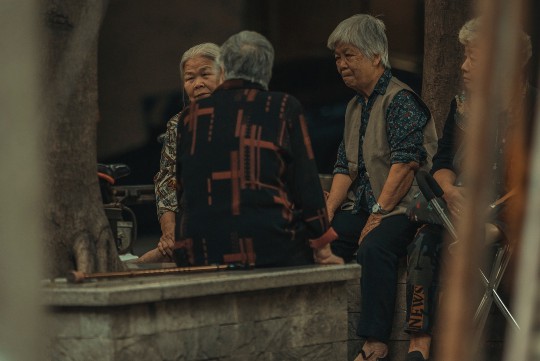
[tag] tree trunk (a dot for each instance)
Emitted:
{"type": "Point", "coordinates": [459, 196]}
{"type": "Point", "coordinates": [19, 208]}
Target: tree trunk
{"type": "Point", "coordinates": [77, 234]}
{"type": "Point", "coordinates": [443, 54]}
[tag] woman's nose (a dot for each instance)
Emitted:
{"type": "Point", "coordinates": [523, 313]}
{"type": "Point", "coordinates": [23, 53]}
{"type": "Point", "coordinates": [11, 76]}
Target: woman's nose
{"type": "Point", "coordinates": [341, 64]}
{"type": "Point", "coordinates": [465, 66]}
{"type": "Point", "coordinates": [199, 83]}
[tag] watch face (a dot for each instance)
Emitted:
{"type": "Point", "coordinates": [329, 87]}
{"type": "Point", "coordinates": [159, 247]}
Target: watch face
{"type": "Point", "coordinates": [375, 208]}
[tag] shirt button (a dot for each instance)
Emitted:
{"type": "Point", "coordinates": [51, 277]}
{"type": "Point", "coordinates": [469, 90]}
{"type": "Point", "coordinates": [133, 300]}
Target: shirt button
{"type": "Point", "coordinates": [367, 174]}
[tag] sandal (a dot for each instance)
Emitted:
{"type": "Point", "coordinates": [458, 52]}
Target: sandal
{"type": "Point", "coordinates": [363, 353]}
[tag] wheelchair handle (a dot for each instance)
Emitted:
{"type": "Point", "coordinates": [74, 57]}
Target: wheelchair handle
{"type": "Point", "coordinates": [428, 185]}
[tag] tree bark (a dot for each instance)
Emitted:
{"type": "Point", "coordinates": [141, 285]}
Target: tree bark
{"type": "Point", "coordinates": [78, 236]}
{"type": "Point", "coordinates": [443, 54]}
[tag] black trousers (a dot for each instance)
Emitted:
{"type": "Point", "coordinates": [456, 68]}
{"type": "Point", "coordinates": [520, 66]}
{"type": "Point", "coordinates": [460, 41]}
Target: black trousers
{"type": "Point", "coordinates": [425, 261]}
{"type": "Point", "coordinates": [424, 265]}
{"type": "Point", "coordinates": [378, 255]}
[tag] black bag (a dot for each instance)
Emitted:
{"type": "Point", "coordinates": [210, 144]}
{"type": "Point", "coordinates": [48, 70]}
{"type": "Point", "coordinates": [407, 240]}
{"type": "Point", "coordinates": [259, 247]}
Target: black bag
{"type": "Point", "coordinates": [421, 211]}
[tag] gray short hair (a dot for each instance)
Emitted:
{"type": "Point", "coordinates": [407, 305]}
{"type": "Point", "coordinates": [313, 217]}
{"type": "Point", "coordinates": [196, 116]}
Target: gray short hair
{"type": "Point", "coordinates": [469, 33]}
{"type": "Point", "coordinates": [365, 32]}
{"type": "Point", "coordinates": [207, 50]}
{"type": "Point", "coordinates": [248, 55]}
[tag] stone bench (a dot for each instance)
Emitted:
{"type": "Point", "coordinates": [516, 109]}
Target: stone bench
{"type": "Point", "coordinates": [265, 314]}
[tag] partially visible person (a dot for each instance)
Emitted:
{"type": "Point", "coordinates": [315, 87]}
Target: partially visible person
{"type": "Point", "coordinates": [245, 168]}
{"type": "Point", "coordinates": [200, 74]}
{"type": "Point", "coordinates": [423, 284]}
{"type": "Point", "coordinates": [389, 135]}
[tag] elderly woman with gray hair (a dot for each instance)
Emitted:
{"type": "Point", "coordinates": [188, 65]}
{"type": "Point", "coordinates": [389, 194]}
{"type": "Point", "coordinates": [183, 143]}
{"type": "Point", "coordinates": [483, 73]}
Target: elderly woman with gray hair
{"type": "Point", "coordinates": [425, 252]}
{"type": "Point", "coordinates": [245, 168]}
{"type": "Point", "coordinates": [389, 134]}
{"type": "Point", "coordinates": [200, 74]}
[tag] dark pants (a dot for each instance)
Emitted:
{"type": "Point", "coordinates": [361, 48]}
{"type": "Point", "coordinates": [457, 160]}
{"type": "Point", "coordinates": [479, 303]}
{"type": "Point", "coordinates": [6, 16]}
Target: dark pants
{"type": "Point", "coordinates": [378, 255]}
{"type": "Point", "coordinates": [425, 260]}
{"type": "Point", "coordinates": [424, 264]}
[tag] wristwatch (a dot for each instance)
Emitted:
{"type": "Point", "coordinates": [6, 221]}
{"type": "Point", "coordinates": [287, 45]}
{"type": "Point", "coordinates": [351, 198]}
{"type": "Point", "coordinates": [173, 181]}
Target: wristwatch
{"type": "Point", "coordinates": [378, 209]}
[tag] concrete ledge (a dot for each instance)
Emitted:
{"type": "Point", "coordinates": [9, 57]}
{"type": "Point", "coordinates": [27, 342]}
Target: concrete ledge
{"type": "Point", "coordinates": [161, 288]}
{"type": "Point", "coordinates": [265, 314]}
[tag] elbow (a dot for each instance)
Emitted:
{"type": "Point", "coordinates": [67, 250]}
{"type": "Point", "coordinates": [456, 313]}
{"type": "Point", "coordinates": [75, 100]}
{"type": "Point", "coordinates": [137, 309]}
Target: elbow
{"type": "Point", "coordinates": [413, 166]}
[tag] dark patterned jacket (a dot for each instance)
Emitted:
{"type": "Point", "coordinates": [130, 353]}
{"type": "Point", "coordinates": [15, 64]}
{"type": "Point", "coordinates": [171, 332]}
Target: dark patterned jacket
{"type": "Point", "coordinates": [246, 171]}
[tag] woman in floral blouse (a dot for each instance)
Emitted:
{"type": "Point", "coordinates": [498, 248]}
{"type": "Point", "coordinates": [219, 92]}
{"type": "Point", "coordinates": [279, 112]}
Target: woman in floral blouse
{"type": "Point", "coordinates": [200, 74]}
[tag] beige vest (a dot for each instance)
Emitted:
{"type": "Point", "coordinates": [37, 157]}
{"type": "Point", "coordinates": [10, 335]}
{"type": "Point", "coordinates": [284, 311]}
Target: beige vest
{"type": "Point", "coordinates": [376, 150]}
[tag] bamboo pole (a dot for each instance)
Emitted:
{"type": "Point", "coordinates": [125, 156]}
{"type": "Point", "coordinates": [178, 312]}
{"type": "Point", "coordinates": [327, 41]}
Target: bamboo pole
{"type": "Point", "coordinates": [78, 277]}
{"type": "Point", "coordinates": [523, 345]}
{"type": "Point", "coordinates": [500, 24]}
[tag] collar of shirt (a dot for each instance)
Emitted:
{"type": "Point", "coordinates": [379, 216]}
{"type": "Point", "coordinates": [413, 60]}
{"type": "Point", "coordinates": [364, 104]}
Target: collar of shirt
{"type": "Point", "coordinates": [380, 87]}
{"type": "Point", "coordinates": [239, 84]}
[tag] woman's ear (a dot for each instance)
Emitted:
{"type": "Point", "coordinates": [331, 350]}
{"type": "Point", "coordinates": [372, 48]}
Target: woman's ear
{"type": "Point", "coordinates": [376, 60]}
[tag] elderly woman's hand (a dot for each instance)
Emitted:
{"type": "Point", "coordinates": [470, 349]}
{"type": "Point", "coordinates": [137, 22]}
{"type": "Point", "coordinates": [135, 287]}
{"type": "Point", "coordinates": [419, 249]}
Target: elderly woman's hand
{"type": "Point", "coordinates": [454, 199]}
{"type": "Point", "coordinates": [324, 255]}
{"type": "Point", "coordinates": [373, 221]}
{"type": "Point", "coordinates": [166, 244]}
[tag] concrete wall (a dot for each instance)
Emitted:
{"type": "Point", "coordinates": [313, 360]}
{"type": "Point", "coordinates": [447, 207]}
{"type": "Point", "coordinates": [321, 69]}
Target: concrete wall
{"type": "Point", "coordinates": [265, 314]}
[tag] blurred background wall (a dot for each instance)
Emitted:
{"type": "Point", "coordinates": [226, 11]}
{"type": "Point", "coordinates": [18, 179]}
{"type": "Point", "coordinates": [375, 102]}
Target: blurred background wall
{"type": "Point", "coordinates": [142, 41]}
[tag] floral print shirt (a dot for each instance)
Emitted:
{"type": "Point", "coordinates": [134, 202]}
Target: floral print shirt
{"type": "Point", "coordinates": [165, 179]}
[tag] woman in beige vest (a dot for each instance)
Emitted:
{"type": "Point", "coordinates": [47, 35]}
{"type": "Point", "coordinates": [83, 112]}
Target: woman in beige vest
{"type": "Point", "coordinates": [389, 134]}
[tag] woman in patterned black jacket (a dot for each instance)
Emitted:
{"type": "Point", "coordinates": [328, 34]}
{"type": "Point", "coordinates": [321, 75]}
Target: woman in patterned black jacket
{"type": "Point", "coordinates": [245, 168]}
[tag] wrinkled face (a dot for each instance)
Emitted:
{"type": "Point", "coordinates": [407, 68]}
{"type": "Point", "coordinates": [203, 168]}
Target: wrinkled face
{"type": "Point", "coordinates": [469, 69]}
{"type": "Point", "coordinates": [200, 77]}
{"type": "Point", "coordinates": [356, 70]}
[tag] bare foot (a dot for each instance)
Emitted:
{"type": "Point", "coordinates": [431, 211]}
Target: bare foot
{"type": "Point", "coordinates": [324, 255]}
{"type": "Point", "coordinates": [420, 342]}
{"type": "Point", "coordinates": [372, 351]}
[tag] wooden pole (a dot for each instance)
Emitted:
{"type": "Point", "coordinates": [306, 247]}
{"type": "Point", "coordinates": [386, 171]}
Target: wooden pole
{"type": "Point", "coordinates": [442, 54]}
{"type": "Point", "coordinates": [500, 29]}
{"type": "Point", "coordinates": [77, 277]}
{"type": "Point", "coordinates": [523, 345]}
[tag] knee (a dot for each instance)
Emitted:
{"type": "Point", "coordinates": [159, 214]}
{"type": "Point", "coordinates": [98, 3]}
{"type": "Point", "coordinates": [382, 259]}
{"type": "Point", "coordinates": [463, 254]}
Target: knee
{"type": "Point", "coordinates": [369, 250]}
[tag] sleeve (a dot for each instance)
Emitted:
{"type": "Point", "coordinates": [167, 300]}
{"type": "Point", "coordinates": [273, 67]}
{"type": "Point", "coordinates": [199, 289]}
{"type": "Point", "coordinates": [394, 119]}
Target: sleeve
{"type": "Point", "coordinates": [341, 166]}
{"type": "Point", "coordinates": [405, 123]}
{"type": "Point", "coordinates": [305, 186]}
{"type": "Point", "coordinates": [446, 149]}
{"type": "Point", "coordinates": [165, 179]}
